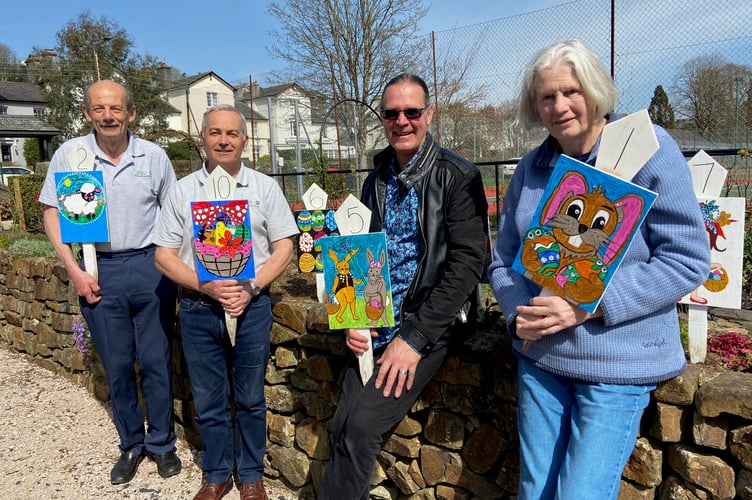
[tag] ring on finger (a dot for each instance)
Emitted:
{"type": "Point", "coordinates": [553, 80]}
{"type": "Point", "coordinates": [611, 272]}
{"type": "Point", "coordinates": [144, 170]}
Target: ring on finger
{"type": "Point", "coordinates": [404, 372]}
{"type": "Point", "coordinates": [410, 374]}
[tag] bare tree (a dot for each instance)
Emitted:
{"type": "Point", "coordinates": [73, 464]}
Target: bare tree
{"type": "Point", "coordinates": [457, 100]}
{"type": "Point", "coordinates": [353, 44]}
{"type": "Point", "coordinates": [8, 64]}
{"type": "Point", "coordinates": [712, 96]}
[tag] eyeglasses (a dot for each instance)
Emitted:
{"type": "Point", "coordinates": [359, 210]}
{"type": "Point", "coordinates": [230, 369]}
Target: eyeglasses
{"type": "Point", "coordinates": [410, 113]}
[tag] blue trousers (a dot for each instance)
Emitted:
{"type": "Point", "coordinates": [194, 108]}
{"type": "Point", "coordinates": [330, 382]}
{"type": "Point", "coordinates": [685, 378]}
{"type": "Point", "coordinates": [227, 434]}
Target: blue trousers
{"type": "Point", "coordinates": [134, 321]}
{"type": "Point", "coordinates": [575, 437]}
{"type": "Point", "coordinates": [219, 374]}
{"type": "Point", "coordinates": [362, 416]}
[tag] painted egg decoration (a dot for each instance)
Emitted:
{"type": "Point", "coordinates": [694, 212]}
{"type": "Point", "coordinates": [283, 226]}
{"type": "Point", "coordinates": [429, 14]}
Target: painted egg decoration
{"type": "Point", "coordinates": [318, 220]}
{"type": "Point", "coordinates": [306, 262]}
{"type": "Point", "coordinates": [304, 220]}
{"type": "Point", "coordinates": [317, 241]}
{"type": "Point", "coordinates": [305, 243]}
{"type": "Point", "coordinates": [331, 223]}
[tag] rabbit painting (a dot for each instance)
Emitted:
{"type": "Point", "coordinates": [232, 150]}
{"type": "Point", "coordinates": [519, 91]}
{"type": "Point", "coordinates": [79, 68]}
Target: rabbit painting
{"type": "Point", "coordinates": [343, 287]}
{"type": "Point", "coordinates": [582, 232]}
{"type": "Point", "coordinates": [374, 292]}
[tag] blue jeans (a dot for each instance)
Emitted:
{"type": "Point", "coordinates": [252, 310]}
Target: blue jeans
{"type": "Point", "coordinates": [135, 320]}
{"type": "Point", "coordinates": [220, 373]}
{"type": "Point", "coordinates": [575, 437]}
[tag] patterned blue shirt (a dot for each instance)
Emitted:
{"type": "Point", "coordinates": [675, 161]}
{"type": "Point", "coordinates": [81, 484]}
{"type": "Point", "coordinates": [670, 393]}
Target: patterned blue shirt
{"type": "Point", "coordinates": [403, 243]}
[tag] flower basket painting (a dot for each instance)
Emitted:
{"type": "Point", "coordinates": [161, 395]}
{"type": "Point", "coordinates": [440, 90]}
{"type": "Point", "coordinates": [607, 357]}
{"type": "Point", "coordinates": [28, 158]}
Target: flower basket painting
{"type": "Point", "coordinates": [222, 240]}
{"type": "Point", "coordinates": [580, 231]}
{"type": "Point", "coordinates": [82, 207]}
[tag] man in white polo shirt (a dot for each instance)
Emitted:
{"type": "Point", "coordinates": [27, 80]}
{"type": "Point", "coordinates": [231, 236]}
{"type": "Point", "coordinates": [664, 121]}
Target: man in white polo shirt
{"type": "Point", "coordinates": [130, 309]}
{"type": "Point", "coordinates": [217, 369]}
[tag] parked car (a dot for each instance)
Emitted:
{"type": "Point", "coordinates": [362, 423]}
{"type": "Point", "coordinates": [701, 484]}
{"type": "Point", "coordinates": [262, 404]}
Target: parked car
{"type": "Point", "coordinates": [509, 168]}
{"type": "Point", "coordinates": [7, 172]}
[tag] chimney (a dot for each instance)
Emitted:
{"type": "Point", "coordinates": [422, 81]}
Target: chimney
{"type": "Point", "coordinates": [165, 73]}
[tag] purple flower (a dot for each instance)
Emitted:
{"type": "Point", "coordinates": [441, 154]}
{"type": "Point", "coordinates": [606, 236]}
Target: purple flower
{"type": "Point", "coordinates": [83, 336]}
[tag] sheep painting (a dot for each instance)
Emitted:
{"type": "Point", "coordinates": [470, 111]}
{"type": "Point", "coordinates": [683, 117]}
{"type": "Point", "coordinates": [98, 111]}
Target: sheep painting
{"type": "Point", "coordinates": [82, 206]}
{"type": "Point", "coordinates": [82, 203]}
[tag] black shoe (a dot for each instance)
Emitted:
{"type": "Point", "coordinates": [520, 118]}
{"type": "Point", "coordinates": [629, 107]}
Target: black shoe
{"type": "Point", "coordinates": [126, 467]}
{"type": "Point", "coordinates": [168, 464]}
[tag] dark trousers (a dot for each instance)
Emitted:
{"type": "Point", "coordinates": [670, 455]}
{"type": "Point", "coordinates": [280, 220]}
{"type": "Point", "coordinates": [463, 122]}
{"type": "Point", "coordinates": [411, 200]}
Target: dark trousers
{"type": "Point", "coordinates": [222, 375]}
{"type": "Point", "coordinates": [135, 320]}
{"type": "Point", "coordinates": [363, 415]}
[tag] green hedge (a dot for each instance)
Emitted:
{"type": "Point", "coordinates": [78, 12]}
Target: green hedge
{"type": "Point", "coordinates": [30, 186]}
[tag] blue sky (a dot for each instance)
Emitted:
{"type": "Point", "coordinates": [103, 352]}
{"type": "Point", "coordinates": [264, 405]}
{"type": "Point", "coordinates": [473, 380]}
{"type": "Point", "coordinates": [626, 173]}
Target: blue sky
{"type": "Point", "coordinates": [229, 39]}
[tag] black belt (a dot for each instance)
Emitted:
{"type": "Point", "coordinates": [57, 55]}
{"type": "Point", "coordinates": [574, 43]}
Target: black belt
{"type": "Point", "coordinates": [124, 253]}
{"type": "Point", "coordinates": [197, 296]}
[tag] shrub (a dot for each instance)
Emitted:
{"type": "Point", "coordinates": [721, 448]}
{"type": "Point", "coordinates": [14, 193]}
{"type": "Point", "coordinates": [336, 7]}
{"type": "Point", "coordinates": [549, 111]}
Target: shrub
{"type": "Point", "coordinates": [32, 247]}
{"type": "Point", "coordinates": [747, 262]}
{"type": "Point", "coordinates": [734, 349]}
{"type": "Point", "coordinates": [30, 186]}
{"type": "Point", "coordinates": [31, 152]}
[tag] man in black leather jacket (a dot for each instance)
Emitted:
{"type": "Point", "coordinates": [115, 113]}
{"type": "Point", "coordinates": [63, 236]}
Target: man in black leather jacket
{"type": "Point", "coordinates": [431, 205]}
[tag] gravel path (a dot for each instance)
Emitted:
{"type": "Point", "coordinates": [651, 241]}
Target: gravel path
{"type": "Point", "coordinates": [58, 442]}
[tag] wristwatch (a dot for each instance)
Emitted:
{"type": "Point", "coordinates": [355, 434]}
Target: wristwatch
{"type": "Point", "coordinates": [255, 289]}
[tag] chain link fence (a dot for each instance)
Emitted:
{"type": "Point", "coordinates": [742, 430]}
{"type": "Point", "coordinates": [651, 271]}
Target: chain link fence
{"type": "Point", "coordinates": [699, 52]}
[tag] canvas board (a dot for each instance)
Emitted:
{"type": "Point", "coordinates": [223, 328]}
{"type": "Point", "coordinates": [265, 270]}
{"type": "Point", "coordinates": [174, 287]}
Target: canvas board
{"type": "Point", "coordinates": [356, 277]}
{"type": "Point", "coordinates": [82, 207]}
{"type": "Point", "coordinates": [580, 231]}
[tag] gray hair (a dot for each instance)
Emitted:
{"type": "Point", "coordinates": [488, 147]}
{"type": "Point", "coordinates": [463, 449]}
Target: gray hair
{"type": "Point", "coordinates": [597, 84]}
{"type": "Point", "coordinates": [224, 107]}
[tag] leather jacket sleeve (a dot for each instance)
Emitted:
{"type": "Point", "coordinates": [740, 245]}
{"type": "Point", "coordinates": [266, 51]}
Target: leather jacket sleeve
{"type": "Point", "coordinates": [453, 264]}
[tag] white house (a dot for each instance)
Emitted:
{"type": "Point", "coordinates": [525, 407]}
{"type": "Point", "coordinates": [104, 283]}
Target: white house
{"type": "Point", "coordinates": [295, 121]}
{"type": "Point", "coordinates": [282, 117]}
{"type": "Point", "coordinates": [192, 96]}
{"type": "Point", "coordinates": [22, 108]}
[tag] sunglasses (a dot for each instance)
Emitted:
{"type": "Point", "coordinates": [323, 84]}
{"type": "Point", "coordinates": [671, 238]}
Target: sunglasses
{"type": "Point", "coordinates": [410, 113]}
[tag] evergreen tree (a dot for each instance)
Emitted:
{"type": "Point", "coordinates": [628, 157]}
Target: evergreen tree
{"type": "Point", "coordinates": [661, 112]}
{"type": "Point", "coordinates": [31, 152]}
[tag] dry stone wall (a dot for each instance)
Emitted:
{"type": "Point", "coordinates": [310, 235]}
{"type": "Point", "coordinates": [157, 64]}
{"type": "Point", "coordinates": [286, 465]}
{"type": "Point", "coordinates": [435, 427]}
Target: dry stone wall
{"type": "Point", "coordinates": [459, 439]}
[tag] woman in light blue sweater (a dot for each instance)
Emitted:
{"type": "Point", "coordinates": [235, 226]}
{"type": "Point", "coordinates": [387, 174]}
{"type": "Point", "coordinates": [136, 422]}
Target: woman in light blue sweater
{"type": "Point", "coordinates": [585, 378]}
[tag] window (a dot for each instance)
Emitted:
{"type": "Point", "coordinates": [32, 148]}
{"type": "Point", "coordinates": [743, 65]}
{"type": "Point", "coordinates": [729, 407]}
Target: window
{"type": "Point", "coordinates": [3, 110]}
{"type": "Point", "coordinates": [212, 99]}
{"type": "Point", "coordinates": [40, 112]}
{"type": "Point", "coordinates": [293, 129]}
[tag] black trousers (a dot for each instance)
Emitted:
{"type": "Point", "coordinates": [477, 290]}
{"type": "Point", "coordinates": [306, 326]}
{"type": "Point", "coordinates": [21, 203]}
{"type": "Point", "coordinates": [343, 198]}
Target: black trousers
{"type": "Point", "coordinates": [362, 416]}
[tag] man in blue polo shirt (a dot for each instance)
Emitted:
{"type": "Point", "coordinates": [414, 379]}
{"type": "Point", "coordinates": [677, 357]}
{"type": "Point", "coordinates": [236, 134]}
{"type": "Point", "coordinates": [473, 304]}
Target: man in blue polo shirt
{"type": "Point", "coordinates": [130, 308]}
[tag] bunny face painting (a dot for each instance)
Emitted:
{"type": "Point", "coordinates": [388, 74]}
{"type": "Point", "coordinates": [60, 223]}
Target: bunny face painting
{"type": "Point", "coordinates": [581, 229]}
{"type": "Point", "coordinates": [357, 279]}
